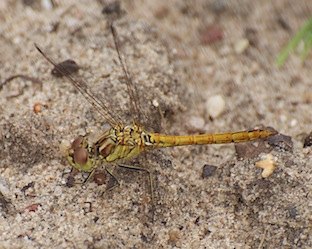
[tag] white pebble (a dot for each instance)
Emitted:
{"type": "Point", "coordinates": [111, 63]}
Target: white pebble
{"type": "Point", "coordinates": [283, 118]}
{"type": "Point", "coordinates": [241, 45]}
{"type": "Point", "coordinates": [47, 4]}
{"type": "Point", "coordinates": [293, 122]}
{"type": "Point", "coordinates": [215, 106]}
{"type": "Point", "coordinates": [58, 190]}
{"type": "Point", "coordinates": [196, 122]}
{"type": "Point", "coordinates": [4, 188]}
{"type": "Point", "coordinates": [155, 103]}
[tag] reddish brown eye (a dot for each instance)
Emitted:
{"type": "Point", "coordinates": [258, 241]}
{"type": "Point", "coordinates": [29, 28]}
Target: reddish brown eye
{"type": "Point", "coordinates": [81, 156]}
{"type": "Point", "coordinates": [77, 142]}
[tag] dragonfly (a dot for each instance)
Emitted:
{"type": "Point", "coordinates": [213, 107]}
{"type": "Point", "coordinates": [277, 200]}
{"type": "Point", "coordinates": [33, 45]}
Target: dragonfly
{"type": "Point", "coordinates": [128, 141]}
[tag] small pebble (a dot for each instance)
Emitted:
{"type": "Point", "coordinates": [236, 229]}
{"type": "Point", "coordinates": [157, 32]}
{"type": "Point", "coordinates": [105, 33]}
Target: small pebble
{"type": "Point", "coordinates": [58, 190]}
{"type": "Point", "coordinates": [293, 122]}
{"type": "Point", "coordinates": [215, 106]}
{"type": "Point", "coordinates": [155, 102]}
{"type": "Point", "coordinates": [281, 141]}
{"type": "Point", "coordinates": [208, 170]}
{"type": "Point", "coordinates": [47, 4]}
{"type": "Point", "coordinates": [196, 122]}
{"type": "Point", "coordinates": [4, 188]}
{"type": "Point", "coordinates": [241, 45]}
{"type": "Point", "coordinates": [283, 118]}
{"type": "Point", "coordinates": [268, 165]}
{"type": "Point", "coordinates": [38, 107]}
{"type": "Point", "coordinates": [66, 67]}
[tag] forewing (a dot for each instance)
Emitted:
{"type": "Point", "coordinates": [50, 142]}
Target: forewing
{"type": "Point", "coordinates": [81, 86]}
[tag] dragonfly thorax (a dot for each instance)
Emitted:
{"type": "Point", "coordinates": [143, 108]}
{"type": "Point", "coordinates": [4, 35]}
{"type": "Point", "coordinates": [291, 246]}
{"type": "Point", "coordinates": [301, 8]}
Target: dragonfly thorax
{"type": "Point", "coordinates": [119, 142]}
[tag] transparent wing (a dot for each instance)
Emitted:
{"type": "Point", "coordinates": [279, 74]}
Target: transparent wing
{"type": "Point", "coordinates": [134, 100]}
{"type": "Point", "coordinates": [81, 86]}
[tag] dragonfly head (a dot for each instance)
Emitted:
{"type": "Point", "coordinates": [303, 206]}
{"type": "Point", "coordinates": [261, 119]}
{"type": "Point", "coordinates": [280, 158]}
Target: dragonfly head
{"type": "Point", "coordinates": [79, 154]}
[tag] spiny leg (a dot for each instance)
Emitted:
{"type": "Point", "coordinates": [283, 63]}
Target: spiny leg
{"type": "Point", "coordinates": [150, 181]}
{"type": "Point", "coordinates": [71, 182]}
{"type": "Point", "coordinates": [89, 175]}
{"type": "Point", "coordinates": [115, 179]}
{"type": "Point", "coordinates": [91, 172]}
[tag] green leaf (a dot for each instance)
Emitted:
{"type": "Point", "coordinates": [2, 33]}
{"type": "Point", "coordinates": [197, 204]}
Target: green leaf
{"type": "Point", "coordinates": [305, 35]}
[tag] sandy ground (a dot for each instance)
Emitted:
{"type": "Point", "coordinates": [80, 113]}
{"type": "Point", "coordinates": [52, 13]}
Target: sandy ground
{"type": "Point", "coordinates": [180, 54]}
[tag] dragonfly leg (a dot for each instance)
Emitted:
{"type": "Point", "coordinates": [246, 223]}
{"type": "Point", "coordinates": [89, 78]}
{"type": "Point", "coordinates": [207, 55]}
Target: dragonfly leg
{"type": "Point", "coordinates": [91, 172]}
{"type": "Point", "coordinates": [89, 176]}
{"type": "Point", "coordinates": [115, 180]}
{"type": "Point", "coordinates": [71, 182]}
{"type": "Point", "coordinates": [150, 181]}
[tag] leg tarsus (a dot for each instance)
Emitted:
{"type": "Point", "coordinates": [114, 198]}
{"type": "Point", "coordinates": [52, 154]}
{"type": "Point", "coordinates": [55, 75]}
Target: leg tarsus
{"type": "Point", "coordinates": [150, 181]}
{"type": "Point", "coordinates": [115, 179]}
{"type": "Point", "coordinates": [89, 176]}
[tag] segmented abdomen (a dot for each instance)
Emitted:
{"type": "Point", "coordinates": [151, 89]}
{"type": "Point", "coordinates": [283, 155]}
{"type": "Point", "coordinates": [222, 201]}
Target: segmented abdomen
{"type": "Point", "coordinates": [161, 140]}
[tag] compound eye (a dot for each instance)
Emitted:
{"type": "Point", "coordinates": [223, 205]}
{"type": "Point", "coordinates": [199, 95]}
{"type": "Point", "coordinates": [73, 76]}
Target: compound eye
{"type": "Point", "coordinates": [77, 142]}
{"type": "Point", "coordinates": [80, 156]}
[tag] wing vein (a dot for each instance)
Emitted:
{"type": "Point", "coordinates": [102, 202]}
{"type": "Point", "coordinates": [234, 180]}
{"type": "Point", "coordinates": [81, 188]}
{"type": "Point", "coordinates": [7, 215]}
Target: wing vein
{"type": "Point", "coordinates": [81, 86]}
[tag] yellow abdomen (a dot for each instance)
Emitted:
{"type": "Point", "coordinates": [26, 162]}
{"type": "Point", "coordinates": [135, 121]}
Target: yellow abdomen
{"type": "Point", "coordinates": [160, 140]}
